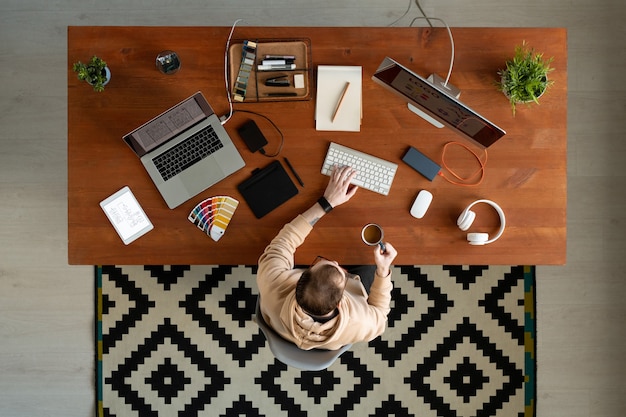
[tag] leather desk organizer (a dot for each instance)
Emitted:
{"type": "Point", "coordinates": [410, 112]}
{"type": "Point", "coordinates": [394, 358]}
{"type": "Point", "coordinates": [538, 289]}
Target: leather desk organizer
{"type": "Point", "coordinates": [256, 90]}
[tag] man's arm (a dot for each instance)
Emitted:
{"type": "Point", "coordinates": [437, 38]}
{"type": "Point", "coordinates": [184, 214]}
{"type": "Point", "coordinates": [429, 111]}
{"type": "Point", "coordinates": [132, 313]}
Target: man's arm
{"type": "Point", "coordinates": [278, 255]}
{"type": "Point", "coordinates": [338, 191]}
{"type": "Point", "coordinates": [384, 259]}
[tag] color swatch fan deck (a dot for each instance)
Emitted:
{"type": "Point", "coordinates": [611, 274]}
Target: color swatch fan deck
{"type": "Point", "coordinates": [213, 215]}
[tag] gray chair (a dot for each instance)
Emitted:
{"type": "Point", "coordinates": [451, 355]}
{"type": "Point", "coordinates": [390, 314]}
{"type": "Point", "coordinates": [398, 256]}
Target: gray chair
{"type": "Point", "coordinates": [290, 354]}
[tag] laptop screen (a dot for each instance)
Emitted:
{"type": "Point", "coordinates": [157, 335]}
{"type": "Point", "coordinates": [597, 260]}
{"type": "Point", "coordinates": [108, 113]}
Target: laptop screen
{"type": "Point", "coordinates": [168, 124]}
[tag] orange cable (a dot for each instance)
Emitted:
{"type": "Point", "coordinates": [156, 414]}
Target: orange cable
{"type": "Point", "coordinates": [480, 171]}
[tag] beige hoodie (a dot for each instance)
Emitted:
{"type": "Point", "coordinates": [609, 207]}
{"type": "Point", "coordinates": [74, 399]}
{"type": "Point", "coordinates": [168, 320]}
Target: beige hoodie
{"type": "Point", "coordinates": [360, 319]}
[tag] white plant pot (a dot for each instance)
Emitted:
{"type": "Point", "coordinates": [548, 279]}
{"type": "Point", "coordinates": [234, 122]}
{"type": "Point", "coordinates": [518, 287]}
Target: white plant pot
{"type": "Point", "coordinates": [527, 101]}
{"type": "Point", "coordinates": [107, 73]}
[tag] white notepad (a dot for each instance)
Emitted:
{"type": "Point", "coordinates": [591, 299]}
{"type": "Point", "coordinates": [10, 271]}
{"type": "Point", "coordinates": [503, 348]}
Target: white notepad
{"type": "Point", "coordinates": [126, 215]}
{"type": "Point", "coordinates": [331, 82]}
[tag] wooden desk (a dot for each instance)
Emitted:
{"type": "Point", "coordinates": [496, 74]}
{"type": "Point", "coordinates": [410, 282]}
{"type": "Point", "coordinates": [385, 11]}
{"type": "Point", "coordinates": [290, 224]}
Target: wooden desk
{"type": "Point", "coordinates": [526, 170]}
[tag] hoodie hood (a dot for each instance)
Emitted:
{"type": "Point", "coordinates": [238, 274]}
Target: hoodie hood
{"type": "Point", "coordinates": [304, 329]}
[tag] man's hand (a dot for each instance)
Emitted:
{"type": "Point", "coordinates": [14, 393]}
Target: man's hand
{"type": "Point", "coordinates": [383, 260]}
{"type": "Point", "coordinates": [339, 190]}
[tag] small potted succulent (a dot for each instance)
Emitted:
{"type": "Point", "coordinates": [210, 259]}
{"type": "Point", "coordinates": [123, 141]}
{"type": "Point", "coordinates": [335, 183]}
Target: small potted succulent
{"type": "Point", "coordinates": [95, 72]}
{"type": "Point", "coordinates": [525, 77]}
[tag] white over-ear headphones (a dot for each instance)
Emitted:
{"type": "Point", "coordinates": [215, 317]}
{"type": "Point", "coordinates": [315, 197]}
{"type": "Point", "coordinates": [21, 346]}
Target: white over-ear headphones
{"type": "Point", "coordinates": [466, 218]}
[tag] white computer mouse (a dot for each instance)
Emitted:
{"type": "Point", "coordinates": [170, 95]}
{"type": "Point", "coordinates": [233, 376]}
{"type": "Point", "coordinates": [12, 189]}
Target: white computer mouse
{"type": "Point", "coordinates": [421, 204]}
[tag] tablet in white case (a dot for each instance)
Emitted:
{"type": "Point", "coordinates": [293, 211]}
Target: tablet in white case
{"type": "Point", "coordinates": [126, 215]}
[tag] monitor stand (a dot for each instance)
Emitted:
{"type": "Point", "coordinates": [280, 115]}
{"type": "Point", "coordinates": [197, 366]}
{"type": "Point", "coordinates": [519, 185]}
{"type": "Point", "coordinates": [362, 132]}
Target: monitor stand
{"type": "Point", "coordinates": [440, 84]}
{"type": "Point", "coordinates": [425, 116]}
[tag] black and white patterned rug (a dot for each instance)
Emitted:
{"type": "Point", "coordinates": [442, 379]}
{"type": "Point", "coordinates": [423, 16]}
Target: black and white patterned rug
{"type": "Point", "coordinates": [180, 341]}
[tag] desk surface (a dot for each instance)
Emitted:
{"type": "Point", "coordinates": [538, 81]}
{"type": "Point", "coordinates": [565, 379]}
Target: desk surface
{"type": "Point", "coordinates": [525, 174]}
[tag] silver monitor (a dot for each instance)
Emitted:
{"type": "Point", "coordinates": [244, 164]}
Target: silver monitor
{"type": "Point", "coordinates": [436, 105]}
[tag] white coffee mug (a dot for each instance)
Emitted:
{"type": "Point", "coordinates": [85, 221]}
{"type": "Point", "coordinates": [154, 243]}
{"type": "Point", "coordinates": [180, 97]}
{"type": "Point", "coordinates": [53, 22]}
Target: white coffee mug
{"type": "Point", "coordinates": [372, 234]}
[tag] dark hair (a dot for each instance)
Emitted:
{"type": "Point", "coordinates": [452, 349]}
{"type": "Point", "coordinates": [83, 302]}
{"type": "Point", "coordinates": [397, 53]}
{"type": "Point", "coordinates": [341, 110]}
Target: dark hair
{"type": "Point", "coordinates": [319, 292]}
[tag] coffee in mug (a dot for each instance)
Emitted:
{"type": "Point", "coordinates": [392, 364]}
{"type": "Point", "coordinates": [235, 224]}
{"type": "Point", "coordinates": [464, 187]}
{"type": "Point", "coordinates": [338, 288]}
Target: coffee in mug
{"type": "Point", "coordinates": [372, 234]}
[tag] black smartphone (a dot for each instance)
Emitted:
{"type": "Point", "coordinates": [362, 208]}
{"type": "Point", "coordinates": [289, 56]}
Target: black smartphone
{"type": "Point", "coordinates": [421, 163]}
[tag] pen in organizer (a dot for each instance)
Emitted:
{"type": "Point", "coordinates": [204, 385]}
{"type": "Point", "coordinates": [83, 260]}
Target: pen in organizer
{"type": "Point", "coordinates": [343, 94]}
{"type": "Point", "coordinates": [291, 57]}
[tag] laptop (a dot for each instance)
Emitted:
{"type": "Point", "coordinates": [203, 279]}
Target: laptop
{"type": "Point", "coordinates": [185, 150]}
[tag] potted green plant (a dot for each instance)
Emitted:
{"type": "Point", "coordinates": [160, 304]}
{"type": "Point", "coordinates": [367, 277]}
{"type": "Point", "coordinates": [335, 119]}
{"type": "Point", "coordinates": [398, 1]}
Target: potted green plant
{"type": "Point", "coordinates": [95, 72]}
{"type": "Point", "coordinates": [525, 77]}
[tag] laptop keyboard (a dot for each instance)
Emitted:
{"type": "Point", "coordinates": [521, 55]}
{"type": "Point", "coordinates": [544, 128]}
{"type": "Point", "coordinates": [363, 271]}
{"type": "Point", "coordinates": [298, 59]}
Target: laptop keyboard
{"type": "Point", "coordinates": [373, 173]}
{"type": "Point", "coordinates": [187, 153]}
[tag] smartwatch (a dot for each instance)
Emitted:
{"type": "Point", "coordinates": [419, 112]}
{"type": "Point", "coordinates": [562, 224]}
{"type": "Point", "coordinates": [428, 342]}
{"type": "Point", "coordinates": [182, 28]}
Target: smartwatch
{"type": "Point", "coordinates": [325, 204]}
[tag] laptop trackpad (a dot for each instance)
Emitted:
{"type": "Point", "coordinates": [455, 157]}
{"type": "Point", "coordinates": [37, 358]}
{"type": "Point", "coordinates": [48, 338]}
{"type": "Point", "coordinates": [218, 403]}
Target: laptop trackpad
{"type": "Point", "coordinates": [190, 182]}
{"type": "Point", "coordinates": [202, 175]}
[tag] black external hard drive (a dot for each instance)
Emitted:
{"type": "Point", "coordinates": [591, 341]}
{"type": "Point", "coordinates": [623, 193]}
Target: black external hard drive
{"type": "Point", "coordinates": [252, 136]}
{"type": "Point", "coordinates": [421, 163]}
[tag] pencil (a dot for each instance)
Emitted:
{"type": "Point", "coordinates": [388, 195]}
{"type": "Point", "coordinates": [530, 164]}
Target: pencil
{"type": "Point", "coordinates": [343, 94]}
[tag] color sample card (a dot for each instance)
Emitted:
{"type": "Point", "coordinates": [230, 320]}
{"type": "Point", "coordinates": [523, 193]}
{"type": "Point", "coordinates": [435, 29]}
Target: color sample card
{"type": "Point", "coordinates": [213, 215]}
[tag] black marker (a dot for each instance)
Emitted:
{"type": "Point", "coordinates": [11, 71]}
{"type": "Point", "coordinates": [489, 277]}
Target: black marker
{"type": "Point", "coordinates": [281, 94]}
{"type": "Point", "coordinates": [295, 174]}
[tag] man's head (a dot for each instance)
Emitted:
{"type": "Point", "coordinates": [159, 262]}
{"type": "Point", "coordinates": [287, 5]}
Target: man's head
{"type": "Point", "coordinates": [320, 287]}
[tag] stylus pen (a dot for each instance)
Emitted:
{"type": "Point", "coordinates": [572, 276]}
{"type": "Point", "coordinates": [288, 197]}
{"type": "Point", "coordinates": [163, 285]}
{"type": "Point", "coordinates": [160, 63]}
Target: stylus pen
{"type": "Point", "coordinates": [295, 174]}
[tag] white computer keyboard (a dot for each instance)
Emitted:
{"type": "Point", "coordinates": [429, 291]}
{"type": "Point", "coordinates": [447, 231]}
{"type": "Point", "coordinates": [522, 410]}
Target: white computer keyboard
{"type": "Point", "coordinates": [373, 173]}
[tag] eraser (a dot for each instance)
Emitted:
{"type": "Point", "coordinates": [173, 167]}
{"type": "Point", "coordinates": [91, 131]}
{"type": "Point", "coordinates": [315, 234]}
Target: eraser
{"type": "Point", "coordinates": [298, 80]}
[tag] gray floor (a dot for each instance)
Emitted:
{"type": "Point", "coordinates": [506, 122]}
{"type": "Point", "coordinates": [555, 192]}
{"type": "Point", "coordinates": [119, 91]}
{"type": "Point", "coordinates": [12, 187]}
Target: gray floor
{"type": "Point", "coordinates": [46, 306]}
